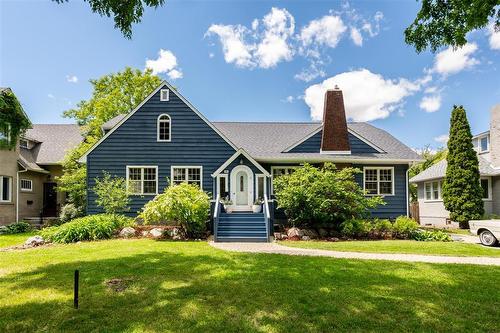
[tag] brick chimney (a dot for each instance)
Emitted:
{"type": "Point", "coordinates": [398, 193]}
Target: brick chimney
{"type": "Point", "coordinates": [335, 139]}
{"type": "Point", "coordinates": [495, 136]}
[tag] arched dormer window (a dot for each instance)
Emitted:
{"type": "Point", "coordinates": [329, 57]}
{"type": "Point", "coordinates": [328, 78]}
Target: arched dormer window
{"type": "Point", "coordinates": [164, 125]}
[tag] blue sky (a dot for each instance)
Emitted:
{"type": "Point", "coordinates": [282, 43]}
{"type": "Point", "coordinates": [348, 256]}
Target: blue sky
{"type": "Point", "coordinates": [255, 61]}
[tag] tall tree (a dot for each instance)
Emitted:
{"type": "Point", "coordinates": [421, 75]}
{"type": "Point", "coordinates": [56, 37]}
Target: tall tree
{"type": "Point", "coordinates": [462, 193]}
{"type": "Point", "coordinates": [447, 22]}
{"type": "Point", "coordinates": [124, 12]}
{"type": "Point", "coordinates": [113, 94]}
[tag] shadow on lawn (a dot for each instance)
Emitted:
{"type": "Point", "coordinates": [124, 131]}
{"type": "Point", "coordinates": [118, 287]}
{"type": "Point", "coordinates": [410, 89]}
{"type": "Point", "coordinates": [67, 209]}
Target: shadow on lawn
{"type": "Point", "coordinates": [222, 292]}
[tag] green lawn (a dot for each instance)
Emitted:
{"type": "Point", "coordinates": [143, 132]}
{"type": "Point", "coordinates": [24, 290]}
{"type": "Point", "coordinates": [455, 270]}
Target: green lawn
{"type": "Point", "coordinates": [185, 287]}
{"type": "Point", "coordinates": [402, 246]}
{"type": "Point", "coordinates": [17, 239]}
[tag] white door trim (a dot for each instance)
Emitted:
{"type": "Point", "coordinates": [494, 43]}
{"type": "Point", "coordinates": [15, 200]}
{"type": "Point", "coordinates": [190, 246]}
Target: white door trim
{"type": "Point", "coordinates": [250, 185]}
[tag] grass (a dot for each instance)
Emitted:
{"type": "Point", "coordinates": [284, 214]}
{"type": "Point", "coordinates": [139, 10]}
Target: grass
{"type": "Point", "coordinates": [401, 246]}
{"type": "Point", "coordinates": [191, 287]}
{"type": "Point", "coordinates": [15, 239]}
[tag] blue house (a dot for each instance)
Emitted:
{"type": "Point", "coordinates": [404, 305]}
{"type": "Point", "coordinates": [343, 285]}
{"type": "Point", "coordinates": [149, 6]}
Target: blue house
{"type": "Point", "coordinates": [166, 139]}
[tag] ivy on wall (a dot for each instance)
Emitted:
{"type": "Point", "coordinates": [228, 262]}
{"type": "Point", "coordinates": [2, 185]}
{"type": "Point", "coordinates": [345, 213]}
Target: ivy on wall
{"type": "Point", "coordinates": [13, 121]}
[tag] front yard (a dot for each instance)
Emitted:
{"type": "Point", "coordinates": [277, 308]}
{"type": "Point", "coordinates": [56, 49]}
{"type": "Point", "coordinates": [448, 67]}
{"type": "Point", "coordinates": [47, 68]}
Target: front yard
{"type": "Point", "coordinates": [190, 286]}
{"type": "Point", "coordinates": [401, 246]}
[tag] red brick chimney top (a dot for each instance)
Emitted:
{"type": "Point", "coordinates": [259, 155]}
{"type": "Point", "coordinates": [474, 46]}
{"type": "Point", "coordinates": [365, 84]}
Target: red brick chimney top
{"type": "Point", "coordinates": [335, 138]}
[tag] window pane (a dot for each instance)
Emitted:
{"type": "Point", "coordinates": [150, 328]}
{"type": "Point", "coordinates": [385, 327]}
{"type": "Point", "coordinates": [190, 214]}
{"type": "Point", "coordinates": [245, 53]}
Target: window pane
{"type": "Point", "coordinates": [386, 175]}
{"type": "Point", "coordinates": [484, 144]}
{"type": "Point", "coordinates": [164, 128]}
{"type": "Point", "coordinates": [149, 187]}
{"type": "Point", "coordinates": [371, 187]}
{"type": "Point", "coordinates": [428, 191]}
{"type": "Point", "coordinates": [5, 189]}
{"type": "Point", "coordinates": [435, 190]}
{"type": "Point", "coordinates": [179, 175]}
{"type": "Point", "coordinates": [370, 175]}
{"type": "Point", "coordinates": [194, 175]}
{"type": "Point", "coordinates": [260, 187]}
{"type": "Point", "coordinates": [385, 188]}
{"type": "Point", "coordinates": [134, 174]}
{"type": "Point", "coordinates": [485, 186]}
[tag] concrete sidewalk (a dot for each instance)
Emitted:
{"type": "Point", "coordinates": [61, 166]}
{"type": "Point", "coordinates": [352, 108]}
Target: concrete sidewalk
{"type": "Point", "coordinates": [280, 249]}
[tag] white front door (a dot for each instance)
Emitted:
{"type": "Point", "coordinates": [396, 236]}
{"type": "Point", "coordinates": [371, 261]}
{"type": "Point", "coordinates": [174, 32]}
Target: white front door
{"type": "Point", "coordinates": [242, 188]}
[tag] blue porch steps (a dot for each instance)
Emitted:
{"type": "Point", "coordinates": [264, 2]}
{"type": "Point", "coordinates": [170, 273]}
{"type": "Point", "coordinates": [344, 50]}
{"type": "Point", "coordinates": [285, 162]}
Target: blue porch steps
{"type": "Point", "coordinates": [242, 227]}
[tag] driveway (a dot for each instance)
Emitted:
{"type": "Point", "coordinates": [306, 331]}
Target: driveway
{"type": "Point", "coordinates": [280, 249]}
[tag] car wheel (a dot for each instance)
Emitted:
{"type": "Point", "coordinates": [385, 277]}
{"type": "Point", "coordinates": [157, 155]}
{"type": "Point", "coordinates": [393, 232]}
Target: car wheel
{"type": "Point", "coordinates": [487, 238]}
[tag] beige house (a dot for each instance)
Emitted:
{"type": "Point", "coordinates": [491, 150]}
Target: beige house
{"type": "Point", "coordinates": [487, 144]}
{"type": "Point", "coordinates": [28, 187]}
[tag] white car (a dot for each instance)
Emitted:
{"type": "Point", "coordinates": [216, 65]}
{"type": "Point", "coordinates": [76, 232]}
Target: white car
{"type": "Point", "coordinates": [487, 230]}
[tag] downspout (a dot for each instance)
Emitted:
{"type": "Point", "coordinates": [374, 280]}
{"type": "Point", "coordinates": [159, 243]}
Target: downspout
{"type": "Point", "coordinates": [408, 191]}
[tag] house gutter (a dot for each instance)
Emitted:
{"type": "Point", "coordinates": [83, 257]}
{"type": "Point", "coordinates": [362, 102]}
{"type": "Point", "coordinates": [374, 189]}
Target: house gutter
{"type": "Point", "coordinates": [408, 190]}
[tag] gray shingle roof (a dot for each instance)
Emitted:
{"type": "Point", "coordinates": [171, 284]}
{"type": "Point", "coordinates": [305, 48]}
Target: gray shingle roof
{"type": "Point", "coordinates": [268, 140]}
{"type": "Point", "coordinates": [438, 171]}
{"type": "Point", "coordinates": [54, 141]}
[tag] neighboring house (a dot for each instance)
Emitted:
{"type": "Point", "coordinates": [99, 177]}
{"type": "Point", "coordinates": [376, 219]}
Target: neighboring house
{"type": "Point", "coordinates": [28, 189]}
{"type": "Point", "coordinates": [430, 181]}
{"type": "Point", "coordinates": [166, 138]}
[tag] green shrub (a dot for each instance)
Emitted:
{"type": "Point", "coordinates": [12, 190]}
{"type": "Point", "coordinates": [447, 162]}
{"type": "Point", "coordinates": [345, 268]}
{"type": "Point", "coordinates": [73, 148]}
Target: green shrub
{"type": "Point", "coordinates": [92, 227]}
{"type": "Point", "coordinates": [312, 196]}
{"type": "Point", "coordinates": [355, 228]}
{"type": "Point", "coordinates": [404, 227]}
{"type": "Point", "coordinates": [185, 204]}
{"type": "Point", "coordinates": [69, 212]}
{"type": "Point", "coordinates": [382, 226]}
{"type": "Point", "coordinates": [431, 235]}
{"type": "Point", "coordinates": [17, 228]}
{"type": "Point", "coordinates": [111, 194]}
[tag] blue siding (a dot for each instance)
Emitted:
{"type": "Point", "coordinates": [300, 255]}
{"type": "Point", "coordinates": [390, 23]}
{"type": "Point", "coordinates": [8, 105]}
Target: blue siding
{"type": "Point", "coordinates": [194, 143]}
{"type": "Point", "coordinates": [313, 145]}
{"type": "Point", "coordinates": [396, 204]}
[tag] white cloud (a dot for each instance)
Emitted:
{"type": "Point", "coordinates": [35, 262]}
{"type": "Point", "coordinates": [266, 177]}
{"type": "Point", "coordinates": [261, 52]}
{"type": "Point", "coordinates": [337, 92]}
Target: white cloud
{"type": "Point", "coordinates": [431, 90]}
{"type": "Point", "coordinates": [288, 99]}
{"type": "Point", "coordinates": [452, 61]}
{"type": "Point", "coordinates": [430, 103]}
{"type": "Point", "coordinates": [443, 139]}
{"type": "Point", "coordinates": [367, 96]}
{"type": "Point", "coordinates": [356, 36]}
{"type": "Point", "coordinates": [494, 38]}
{"type": "Point", "coordinates": [51, 96]}
{"type": "Point", "coordinates": [72, 78]}
{"type": "Point", "coordinates": [165, 63]}
{"type": "Point", "coordinates": [324, 31]}
{"type": "Point", "coordinates": [279, 26]}
{"type": "Point", "coordinates": [266, 42]}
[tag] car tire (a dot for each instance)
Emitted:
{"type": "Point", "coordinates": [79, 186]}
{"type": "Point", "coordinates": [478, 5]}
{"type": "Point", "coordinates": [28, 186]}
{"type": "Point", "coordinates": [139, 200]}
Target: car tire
{"type": "Point", "coordinates": [487, 238]}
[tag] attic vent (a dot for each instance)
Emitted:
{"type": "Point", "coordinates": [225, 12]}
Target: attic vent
{"type": "Point", "coordinates": [164, 95]}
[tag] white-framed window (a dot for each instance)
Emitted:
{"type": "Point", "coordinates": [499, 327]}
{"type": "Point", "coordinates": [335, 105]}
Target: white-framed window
{"type": "Point", "coordinates": [163, 128]}
{"type": "Point", "coordinates": [277, 171]}
{"type": "Point", "coordinates": [142, 180]}
{"type": "Point", "coordinates": [261, 186]}
{"type": "Point", "coordinates": [484, 144]}
{"type": "Point", "coordinates": [23, 143]}
{"type": "Point", "coordinates": [433, 190]}
{"type": "Point", "coordinates": [187, 174]}
{"type": "Point", "coordinates": [223, 185]}
{"type": "Point", "coordinates": [486, 187]}
{"type": "Point", "coordinates": [26, 185]}
{"type": "Point", "coordinates": [164, 95]}
{"type": "Point", "coordinates": [5, 189]}
{"type": "Point", "coordinates": [378, 180]}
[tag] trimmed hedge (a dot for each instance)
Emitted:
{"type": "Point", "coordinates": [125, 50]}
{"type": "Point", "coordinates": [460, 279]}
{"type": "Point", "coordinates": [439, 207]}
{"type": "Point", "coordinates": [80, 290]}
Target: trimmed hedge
{"type": "Point", "coordinates": [16, 228]}
{"type": "Point", "coordinates": [92, 227]}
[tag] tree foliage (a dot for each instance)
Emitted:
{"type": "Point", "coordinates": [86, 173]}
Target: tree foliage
{"type": "Point", "coordinates": [13, 121]}
{"type": "Point", "coordinates": [124, 13]}
{"type": "Point", "coordinates": [447, 22]}
{"type": "Point", "coordinates": [113, 94]}
{"type": "Point", "coordinates": [185, 204]}
{"type": "Point", "coordinates": [462, 192]}
{"type": "Point", "coordinates": [111, 194]}
{"type": "Point", "coordinates": [313, 195]}
{"type": "Point", "coordinates": [430, 158]}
